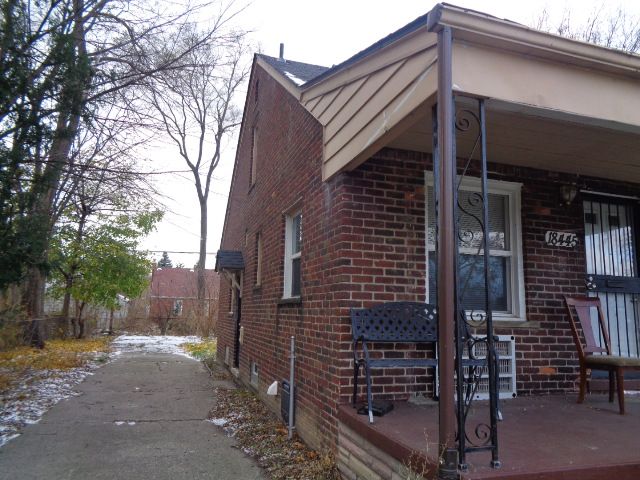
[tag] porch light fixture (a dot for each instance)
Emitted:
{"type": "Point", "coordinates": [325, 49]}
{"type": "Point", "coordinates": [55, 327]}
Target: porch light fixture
{"type": "Point", "coordinates": [568, 194]}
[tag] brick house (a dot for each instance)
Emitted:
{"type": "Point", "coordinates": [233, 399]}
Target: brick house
{"type": "Point", "coordinates": [332, 206]}
{"type": "Point", "coordinates": [173, 294]}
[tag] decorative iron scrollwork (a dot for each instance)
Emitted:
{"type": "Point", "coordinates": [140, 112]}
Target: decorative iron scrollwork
{"type": "Point", "coordinates": [476, 358]}
{"type": "Point", "coordinates": [466, 119]}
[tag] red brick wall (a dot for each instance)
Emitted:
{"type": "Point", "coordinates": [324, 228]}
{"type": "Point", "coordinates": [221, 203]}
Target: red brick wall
{"type": "Point", "coordinates": [363, 243]}
{"type": "Point", "coordinates": [386, 233]}
{"type": "Point", "coordinates": [545, 353]}
{"type": "Point", "coordinates": [384, 257]}
{"type": "Point", "coordinates": [289, 146]}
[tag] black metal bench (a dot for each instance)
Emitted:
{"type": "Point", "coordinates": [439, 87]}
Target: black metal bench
{"type": "Point", "coordinates": [393, 322]}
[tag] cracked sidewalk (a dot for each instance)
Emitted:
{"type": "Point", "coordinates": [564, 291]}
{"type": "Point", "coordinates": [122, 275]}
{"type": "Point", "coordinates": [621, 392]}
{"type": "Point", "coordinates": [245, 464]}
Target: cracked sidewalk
{"type": "Point", "coordinates": [140, 416]}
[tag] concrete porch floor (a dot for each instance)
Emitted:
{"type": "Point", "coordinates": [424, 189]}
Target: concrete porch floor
{"type": "Point", "coordinates": [541, 437]}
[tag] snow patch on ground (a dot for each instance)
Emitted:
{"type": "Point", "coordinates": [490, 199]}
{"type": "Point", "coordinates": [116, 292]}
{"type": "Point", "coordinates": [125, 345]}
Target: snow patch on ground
{"type": "Point", "coordinates": [220, 422]}
{"type": "Point", "coordinates": [39, 390]}
{"type": "Point", "coordinates": [122, 422]}
{"type": "Point", "coordinates": [228, 424]}
{"type": "Point", "coordinates": [36, 393]}
{"type": "Point", "coordinates": [152, 344]}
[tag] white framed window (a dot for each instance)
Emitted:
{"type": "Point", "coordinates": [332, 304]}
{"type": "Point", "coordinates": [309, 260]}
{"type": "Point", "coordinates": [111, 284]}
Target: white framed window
{"type": "Point", "coordinates": [177, 308]}
{"type": "Point", "coordinates": [292, 255]}
{"type": "Point", "coordinates": [505, 247]}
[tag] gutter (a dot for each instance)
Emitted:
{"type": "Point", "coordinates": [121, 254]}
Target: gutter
{"type": "Point", "coordinates": [482, 28]}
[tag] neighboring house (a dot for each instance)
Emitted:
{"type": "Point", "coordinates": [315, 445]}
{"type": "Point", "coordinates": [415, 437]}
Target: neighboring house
{"type": "Point", "coordinates": [173, 298]}
{"type": "Point", "coordinates": [332, 207]}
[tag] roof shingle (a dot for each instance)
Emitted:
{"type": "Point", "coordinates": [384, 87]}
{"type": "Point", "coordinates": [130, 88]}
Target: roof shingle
{"type": "Point", "coordinates": [296, 72]}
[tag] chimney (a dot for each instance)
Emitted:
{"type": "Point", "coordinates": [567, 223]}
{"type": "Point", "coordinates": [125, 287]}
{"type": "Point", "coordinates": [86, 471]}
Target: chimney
{"type": "Point", "coordinates": [281, 58]}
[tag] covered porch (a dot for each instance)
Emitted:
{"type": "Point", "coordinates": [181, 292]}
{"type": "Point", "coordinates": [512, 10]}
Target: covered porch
{"type": "Point", "coordinates": [489, 100]}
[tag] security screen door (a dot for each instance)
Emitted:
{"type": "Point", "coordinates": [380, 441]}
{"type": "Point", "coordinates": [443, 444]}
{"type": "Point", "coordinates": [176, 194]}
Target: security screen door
{"type": "Point", "coordinates": [612, 269]}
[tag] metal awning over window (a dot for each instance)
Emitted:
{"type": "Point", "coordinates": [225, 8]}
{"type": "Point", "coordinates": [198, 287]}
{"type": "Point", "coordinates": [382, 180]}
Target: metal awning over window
{"type": "Point", "coordinates": [229, 260]}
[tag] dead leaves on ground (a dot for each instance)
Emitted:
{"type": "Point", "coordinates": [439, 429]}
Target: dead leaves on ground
{"type": "Point", "coordinates": [261, 435]}
{"type": "Point", "coordinates": [57, 355]}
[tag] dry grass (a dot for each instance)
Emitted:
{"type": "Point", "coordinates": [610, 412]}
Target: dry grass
{"type": "Point", "coordinates": [202, 350]}
{"type": "Point", "coordinates": [263, 436]}
{"type": "Point", "coordinates": [57, 355]}
{"type": "Point", "coordinates": [6, 380]}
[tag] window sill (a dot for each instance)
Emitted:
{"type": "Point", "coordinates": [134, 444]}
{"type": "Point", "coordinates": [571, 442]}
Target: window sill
{"type": "Point", "coordinates": [290, 301]}
{"type": "Point", "coordinates": [515, 323]}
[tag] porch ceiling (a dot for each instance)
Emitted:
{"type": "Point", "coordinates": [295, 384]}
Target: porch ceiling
{"type": "Point", "coordinates": [554, 103]}
{"type": "Point", "coordinates": [523, 137]}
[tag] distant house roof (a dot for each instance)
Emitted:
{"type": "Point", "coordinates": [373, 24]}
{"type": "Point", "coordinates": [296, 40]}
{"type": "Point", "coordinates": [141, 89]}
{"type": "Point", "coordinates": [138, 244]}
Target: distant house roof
{"type": "Point", "coordinates": [229, 260]}
{"type": "Point", "coordinates": [180, 283]}
{"type": "Point", "coordinates": [298, 73]}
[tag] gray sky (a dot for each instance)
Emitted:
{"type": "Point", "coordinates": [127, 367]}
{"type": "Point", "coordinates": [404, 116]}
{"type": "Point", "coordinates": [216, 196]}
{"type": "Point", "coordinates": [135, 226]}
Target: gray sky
{"type": "Point", "coordinates": [322, 33]}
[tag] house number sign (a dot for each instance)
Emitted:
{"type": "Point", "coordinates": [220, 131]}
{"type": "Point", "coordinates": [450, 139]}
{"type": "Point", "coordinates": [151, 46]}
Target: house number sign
{"type": "Point", "coordinates": [561, 239]}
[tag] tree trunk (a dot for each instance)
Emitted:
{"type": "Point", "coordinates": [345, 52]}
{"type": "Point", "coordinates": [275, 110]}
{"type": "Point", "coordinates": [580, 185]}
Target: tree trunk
{"type": "Point", "coordinates": [68, 277]}
{"type": "Point", "coordinates": [164, 325]}
{"type": "Point", "coordinates": [35, 284]}
{"type": "Point", "coordinates": [80, 320]}
{"type": "Point", "coordinates": [65, 131]}
{"type": "Point", "coordinates": [110, 330]}
{"type": "Point", "coordinates": [202, 259]}
{"type": "Point", "coordinates": [32, 300]}
{"type": "Point", "coordinates": [74, 320]}
{"type": "Point", "coordinates": [66, 303]}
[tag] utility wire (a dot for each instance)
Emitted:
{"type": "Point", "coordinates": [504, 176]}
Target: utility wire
{"type": "Point", "coordinates": [175, 251]}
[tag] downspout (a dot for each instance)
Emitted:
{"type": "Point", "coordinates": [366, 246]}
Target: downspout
{"type": "Point", "coordinates": [447, 245]}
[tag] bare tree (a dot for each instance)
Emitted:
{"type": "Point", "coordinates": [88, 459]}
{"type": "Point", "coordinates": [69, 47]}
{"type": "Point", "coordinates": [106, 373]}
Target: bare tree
{"type": "Point", "coordinates": [615, 29]}
{"type": "Point", "coordinates": [102, 180]}
{"type": "Point", "coordinates": [196, 110]}
{"type": "Point", "coordinates": [58, 59]}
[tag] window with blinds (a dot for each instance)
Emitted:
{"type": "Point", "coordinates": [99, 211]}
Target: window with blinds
{"type": "Point", "coordinates": [505, 247]}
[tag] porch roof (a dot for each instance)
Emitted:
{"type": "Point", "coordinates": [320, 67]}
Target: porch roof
{"type": "Point", "coordinates": [552, 102]}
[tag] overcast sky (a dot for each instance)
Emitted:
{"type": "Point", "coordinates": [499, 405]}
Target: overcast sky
{"type": "Point", "coordinates": [322, 33]}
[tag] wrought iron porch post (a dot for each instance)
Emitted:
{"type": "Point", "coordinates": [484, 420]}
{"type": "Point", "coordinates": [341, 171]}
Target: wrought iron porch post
{"type": "Point", "coordinates": [476, 355]}
{"type": "Point", "coordinates": [491, 352]}
{"type": "Point", "coordinates": [446, 257]}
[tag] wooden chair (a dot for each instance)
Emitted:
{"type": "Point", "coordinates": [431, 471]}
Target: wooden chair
{"type": "Point", "coordinates": [614, 364]}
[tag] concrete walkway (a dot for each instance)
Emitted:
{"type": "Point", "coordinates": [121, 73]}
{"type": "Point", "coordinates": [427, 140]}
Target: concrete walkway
{"type": "Point", "coordinates": [140, 417]}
